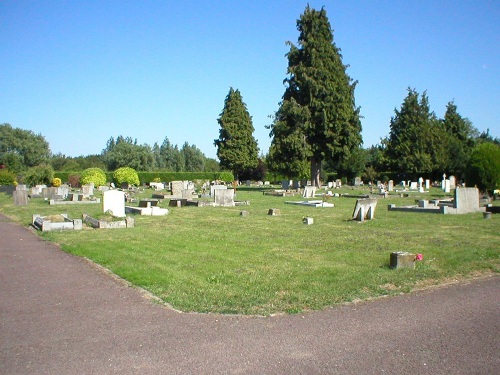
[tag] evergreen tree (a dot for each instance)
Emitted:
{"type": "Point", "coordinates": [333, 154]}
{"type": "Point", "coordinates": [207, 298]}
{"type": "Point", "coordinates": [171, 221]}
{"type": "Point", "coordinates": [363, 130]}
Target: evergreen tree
{"type": "Point", "coordinates": [318, 119]}
{"type": "Point", "coordinates": [461, 135]}
{"type": "Point", "coordinates": [236, 146]}
{"type": "Point", "coordinates": [415, 144]}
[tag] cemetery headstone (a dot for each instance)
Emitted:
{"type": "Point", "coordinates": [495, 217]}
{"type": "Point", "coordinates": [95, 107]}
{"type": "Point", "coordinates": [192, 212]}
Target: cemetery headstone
{"type": "Point", "coordinates": [402, 259]}
{"type": "Point", "coordinates": [274, 212]}
{"type": "Point", "coordinates": [309, 192]}
{"type": "Point", "coordinates": [224, 197]}
{"type": "Point", "coordinates": [114, 202]}
{"type": "Point", "coordinates": [453, 182]}
{"type": "Point", "coordinates": [216, 187]}
{"type": "Point", "coordinates": [285, 184]}
{"type": "Point", "coordinates": [447, 186]}
{"type": "Point", "coordinates": [88, 190]}
{"type": "Point", "coordinates": [364, 209]}
{"type": "Point", "coordinates": [413, 186]}
{"type": "Point", "coordinates": [177, 187]}
{"type": "Point", "coordinates": [20, 197]}
{"type": "Point", "coordinates": [390, 186]}
{"type": "Point", "coordinates": [357, 181]}
{"type": "Point", "coordinates": [427, 184]}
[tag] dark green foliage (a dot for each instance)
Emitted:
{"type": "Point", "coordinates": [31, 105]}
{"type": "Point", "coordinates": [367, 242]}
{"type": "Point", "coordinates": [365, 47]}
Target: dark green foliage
{"type": "Point", "coordinates": [461, 140]}
{"type": "Point", "coordinates": [236, 146]}
{"type": "Point", "coordinates": [415, 144]}
{"type": "Point", "coordinates": [483, 169]}
{"type": "Point", "coordinates": [73, 180]}
{"type": "Point", "coordinates": [126, 174]}
{"type": "Point", "coordinates": [22, 149]}
{"type": "Point", "coordinates": [7, 177]}
{"type": "Point", "coordinates": [318, 119]}
{"type": "Point", "coordinates": [38, 175]}
{"type": "Point", "coordinates": [125, 152]}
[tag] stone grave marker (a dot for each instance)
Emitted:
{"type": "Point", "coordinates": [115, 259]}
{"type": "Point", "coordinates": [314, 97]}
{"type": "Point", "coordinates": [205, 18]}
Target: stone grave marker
{"type": "Point", "coordinates": [402, 259]}
{"type": "Point", "coordinates": [357, 181]}
{"type": "Point", "coordinates": [88, 190]}
{"type": "Point", "coordinates": [338, 182]}
{"type": "Point", "coordinates": [224, 197]}
{"type": "Point", "coordinates": [413, 185]}
{"type": "Point", "coordinates": [20, 197]}
{"type": "Point", "coordinates": [285, 184]}
{"type": "Point", "coordinates": [364, 209]}
{"type": "Point", "coordinates": [453, 182]}
{"type": "Point", "coordinates": [114, 202]}
{"type": "Point", "coordinates": [216, 187]}
{"type": "Point", "coordinates": [274, 212]}
{"type": "Point", "coordinates": [177, 187]}
{"type": "Point", "coordinates": [447, 186]}
{"type": "Point", "coordinates": [390, 186]}
{"type": "Point", "coordinates": [427, 184]}
{"type": "Point", "coordinates": [309, 192]}
{"type": "Point", "coordinates": [296, 184]}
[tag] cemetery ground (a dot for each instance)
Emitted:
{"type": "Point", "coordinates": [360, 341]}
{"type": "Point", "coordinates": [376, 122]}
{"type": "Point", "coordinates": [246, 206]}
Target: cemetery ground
{"type": "Point", "coordinates": [212, 259]}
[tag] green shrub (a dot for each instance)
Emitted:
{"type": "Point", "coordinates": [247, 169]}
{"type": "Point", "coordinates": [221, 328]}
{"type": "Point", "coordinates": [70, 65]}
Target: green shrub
{"type": "Point", "coordinates": [93, 175]}
{"type": "Point", "coordinates": [41, 174]}
{"type": "Point", "coordinates": [483, 168]}
{"type": "Point", "coordinates": [126, 174]}
{"type": "Point", "coordinates": [7, 178]}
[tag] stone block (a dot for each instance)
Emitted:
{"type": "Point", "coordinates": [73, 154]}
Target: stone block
{"type": "Point", "coordinates": [402, 259]}
{"type": "Point", "coordinates": [274, 212]}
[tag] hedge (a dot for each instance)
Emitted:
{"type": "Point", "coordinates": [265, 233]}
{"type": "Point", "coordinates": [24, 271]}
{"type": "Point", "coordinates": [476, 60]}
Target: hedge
{"type": "Point", "coordinates": [146, 177]}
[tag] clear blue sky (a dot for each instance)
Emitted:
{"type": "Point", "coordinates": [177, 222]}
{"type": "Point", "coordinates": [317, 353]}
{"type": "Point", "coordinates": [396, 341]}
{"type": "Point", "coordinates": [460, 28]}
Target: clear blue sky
{"type": "Point", "coordinates": [80, 72]}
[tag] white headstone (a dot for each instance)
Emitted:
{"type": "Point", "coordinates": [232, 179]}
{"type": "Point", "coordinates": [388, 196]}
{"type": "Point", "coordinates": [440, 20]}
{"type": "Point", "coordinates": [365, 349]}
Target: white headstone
{"type": "Point", "coordinates": [453, 182]}
{"type": "Point", "coordinates": [390, 187]}
{"type": "Point", "coordinates": [427, 184]}
{"type": "Point", "coordinates": [309, 192]}
{"type": "Point", "coordinates": [114, 202]}
{"type": "Point", "coordinates": [447, 186]}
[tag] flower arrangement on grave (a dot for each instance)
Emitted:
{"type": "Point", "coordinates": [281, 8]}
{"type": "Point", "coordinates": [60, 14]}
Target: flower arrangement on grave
{"type": "Point", "coordinates": [419, 257]}
{"type": "Point", "coordinates": [56, 182]}
{"type": "Point", "coordinates": [157, 179]}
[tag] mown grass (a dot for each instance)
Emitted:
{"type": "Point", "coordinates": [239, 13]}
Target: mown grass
{"type": "Point", "coordinates": [211, 259]}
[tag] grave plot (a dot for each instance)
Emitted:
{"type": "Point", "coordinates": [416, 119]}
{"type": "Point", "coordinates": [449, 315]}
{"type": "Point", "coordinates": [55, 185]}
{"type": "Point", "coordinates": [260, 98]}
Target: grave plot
{"type": "Point", "coordinates": [313, 203]}
{"type": "Point", "coordinates": [55, 222]}
{"type": "Point", "coordinates": [466, 201]}
{"type": "Point", "coordinates": [127, 222]}
{"type": "Point", "coordinates": [147, 207]}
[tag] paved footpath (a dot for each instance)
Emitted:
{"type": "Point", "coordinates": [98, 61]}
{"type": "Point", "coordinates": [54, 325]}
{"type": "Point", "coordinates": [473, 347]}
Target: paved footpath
{"type": "Point", "coordinates": [59, 314]}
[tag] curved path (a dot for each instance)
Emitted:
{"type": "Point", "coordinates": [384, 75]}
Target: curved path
{"type": "Point", "coordinates": [59, 314]}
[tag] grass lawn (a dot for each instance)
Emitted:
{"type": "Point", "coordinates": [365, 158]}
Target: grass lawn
{"type": "Point", "coordinates": [211, 259]}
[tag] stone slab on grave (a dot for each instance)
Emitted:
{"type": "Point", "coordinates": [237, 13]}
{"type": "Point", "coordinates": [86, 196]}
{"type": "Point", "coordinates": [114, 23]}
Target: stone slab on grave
{"type": "Point", "coordinates": [216, 187]}
{"type": "Point", "coordinates": [309, 192]}
{"type": "Point", "coordinates": [49, 223]}
{"type": "Point", "coordinates": [75, 197]}
{"type": "Point", "coordinates": [224, 197]}
{"type": "Point", "coordinates": [177, 187]}
{"type": "Point", "coordinates": [274, 212]}
{"type": "Point", "coordinates": [177, 202]}
{"type": "Point", "coordinates": [447, 186]}
{"type": "Point", "coordinates": [20, 197]}
{"type": "Point", "coordinates": [364, 209]}
{"type": "Point", "coordinates": [88, 190]}
{"type": "Point", "coordinates": [402, 259]}
{"type": "Point", "coordinates": [113, 201]}
{"type": "Point", "coordinates": [453, 182]}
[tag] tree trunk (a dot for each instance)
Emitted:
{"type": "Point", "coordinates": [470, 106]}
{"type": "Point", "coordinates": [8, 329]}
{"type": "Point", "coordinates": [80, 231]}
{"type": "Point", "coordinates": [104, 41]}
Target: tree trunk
{"type": "Point", "coordinates": [315, 171]}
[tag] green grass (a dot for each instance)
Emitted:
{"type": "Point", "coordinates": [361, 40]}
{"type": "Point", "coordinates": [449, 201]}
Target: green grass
{"type": "Point", "coordinates": [211, 259]}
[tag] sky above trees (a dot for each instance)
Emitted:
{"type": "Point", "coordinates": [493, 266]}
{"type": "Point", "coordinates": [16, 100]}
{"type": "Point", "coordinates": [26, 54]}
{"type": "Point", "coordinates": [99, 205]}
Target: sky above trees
{"type": "Point", "coordinates": [82, 72]}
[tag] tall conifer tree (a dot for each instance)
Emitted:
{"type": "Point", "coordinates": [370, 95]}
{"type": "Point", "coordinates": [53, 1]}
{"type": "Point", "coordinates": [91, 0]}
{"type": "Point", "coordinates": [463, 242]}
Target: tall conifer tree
{"type": "Point", "coordinates": [318, 119]}
{"type": "Point", "coordinates": [236, 146]}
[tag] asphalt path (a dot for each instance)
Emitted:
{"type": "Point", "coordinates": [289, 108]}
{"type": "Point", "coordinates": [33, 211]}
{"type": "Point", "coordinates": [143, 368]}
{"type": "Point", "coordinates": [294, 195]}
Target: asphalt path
{"type": "Point", "coordinates": [60, 314]}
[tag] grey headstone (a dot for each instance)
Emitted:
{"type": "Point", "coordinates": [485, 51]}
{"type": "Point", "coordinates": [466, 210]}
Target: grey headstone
{"type": "Point", "coordinates": [224, 197]}
{"type": "Point", "coordinates": [364, 209]}
{"type": "Point", "coordinates": [20, 197]}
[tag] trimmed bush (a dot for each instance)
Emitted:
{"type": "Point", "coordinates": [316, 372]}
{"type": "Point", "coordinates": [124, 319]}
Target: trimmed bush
{"type": "Point", "coordinates": [126, 174]}
{"type": "Point", "coordinates": [93, 175]}
{"type": "Point", "coordinates": [74, 180]}
{"type": "Point", "coordinates": [7, 178]}
{"type": "Point", "coordinates": [56, 182]}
